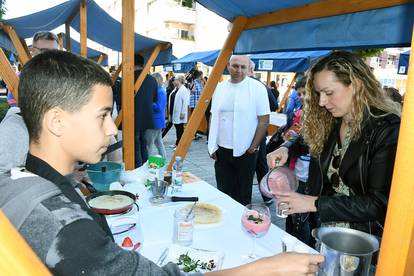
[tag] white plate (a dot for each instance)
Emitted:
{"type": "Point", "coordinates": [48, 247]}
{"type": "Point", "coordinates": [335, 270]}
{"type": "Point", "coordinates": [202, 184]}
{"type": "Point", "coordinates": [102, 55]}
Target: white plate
{"type": "Point", "coordinates": [194, 253]}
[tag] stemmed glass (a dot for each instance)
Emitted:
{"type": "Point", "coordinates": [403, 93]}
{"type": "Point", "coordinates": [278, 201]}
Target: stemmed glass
{"type": "Point", "coordinates": [256, 221]}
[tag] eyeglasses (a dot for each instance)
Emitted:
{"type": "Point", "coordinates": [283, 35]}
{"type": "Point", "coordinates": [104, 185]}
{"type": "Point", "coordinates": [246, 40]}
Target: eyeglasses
{"type": "Point", "coordinates": [335, 176]}
{"type": "Point", "coordinates": [39, 49]}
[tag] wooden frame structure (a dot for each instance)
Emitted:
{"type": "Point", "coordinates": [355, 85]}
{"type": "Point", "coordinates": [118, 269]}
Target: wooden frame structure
{"type": "Point", "coordinates": [397, 248]}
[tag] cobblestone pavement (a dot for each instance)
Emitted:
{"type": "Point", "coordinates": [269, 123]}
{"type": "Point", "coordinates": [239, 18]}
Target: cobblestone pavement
{"type": "Point", "coordinates": [200, 164]}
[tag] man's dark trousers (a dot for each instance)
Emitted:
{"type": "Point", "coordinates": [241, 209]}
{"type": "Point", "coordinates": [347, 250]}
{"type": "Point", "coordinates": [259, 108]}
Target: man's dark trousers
{"type": "Point", "coordinates": [234, 175]}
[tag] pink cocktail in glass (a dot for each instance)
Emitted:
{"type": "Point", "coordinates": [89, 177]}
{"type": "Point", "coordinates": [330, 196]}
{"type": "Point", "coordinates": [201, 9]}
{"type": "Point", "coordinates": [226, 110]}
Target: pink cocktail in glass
{"type": "Point", "coordinates": [256, 221]}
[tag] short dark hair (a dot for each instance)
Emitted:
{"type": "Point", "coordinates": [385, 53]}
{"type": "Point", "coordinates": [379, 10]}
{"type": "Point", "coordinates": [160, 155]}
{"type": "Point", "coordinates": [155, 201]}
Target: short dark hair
{"type": "Point", "coordinates": [301, 83]}
{"type": "Point", "coordinates": [45, 35]}
{"type": "Point", "coordinates": [138, 60]}
{"type": "Point", "coordinates": [56, 79]}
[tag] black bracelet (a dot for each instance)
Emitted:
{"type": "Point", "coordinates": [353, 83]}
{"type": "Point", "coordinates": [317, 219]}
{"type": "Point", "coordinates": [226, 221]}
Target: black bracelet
{"type": "Point", "coordinates": [317, 203]}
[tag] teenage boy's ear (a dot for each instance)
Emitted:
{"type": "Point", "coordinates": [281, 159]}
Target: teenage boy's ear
{"type": "Point", "coordinates": [53, 121]}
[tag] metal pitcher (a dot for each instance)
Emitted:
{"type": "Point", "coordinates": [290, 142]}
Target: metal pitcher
{"type": "Point", "coordinates": [347, 252]}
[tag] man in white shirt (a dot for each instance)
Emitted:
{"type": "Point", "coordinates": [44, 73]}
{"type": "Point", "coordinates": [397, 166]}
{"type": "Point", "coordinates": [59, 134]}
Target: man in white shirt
{"type": "Point", "coordinates": [239, 120]}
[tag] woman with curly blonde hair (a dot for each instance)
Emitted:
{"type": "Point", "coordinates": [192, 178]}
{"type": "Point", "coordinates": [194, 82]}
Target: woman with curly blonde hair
{"type": "Point", "coordinates": [350, 127]}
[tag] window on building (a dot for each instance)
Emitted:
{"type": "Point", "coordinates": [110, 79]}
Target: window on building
{"type": "Point", "coordinates": [391, 59]}
{"type": "Point", "coordinates": [180, 30]}
{"type": "Point", "coordinates": [186, 3]}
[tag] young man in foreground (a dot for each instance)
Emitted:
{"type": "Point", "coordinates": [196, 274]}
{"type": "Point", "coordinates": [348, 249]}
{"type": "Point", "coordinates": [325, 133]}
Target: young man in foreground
{"type": "Point", "coordinates": [66, 103]}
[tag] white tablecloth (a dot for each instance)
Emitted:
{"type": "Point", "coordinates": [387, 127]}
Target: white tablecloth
{"type": "Point", "coordinates": [227, 236]}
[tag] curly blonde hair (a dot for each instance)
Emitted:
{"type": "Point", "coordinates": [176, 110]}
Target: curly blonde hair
{"type": "Point", "coordinates": [349, 69]}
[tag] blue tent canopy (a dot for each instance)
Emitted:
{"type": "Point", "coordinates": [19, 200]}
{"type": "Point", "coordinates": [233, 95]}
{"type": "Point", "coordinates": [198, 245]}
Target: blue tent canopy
{"type": "Point", "coordinates": [272, 62]}
{"type": "Point", "coordinates": [385, 27]}
{"type": "Point", "coordinates": [403, 63]}
{"type": "Point", "coordinates": [6, 43]}
{"type": "Point", "coordinates": [102, 28]}
{"type": "Point", "coordinates": [286, 61]}
{"type": "Point", "coordinates": [91, 53]}
{"type": "Point", "coordinates": [188, 62]}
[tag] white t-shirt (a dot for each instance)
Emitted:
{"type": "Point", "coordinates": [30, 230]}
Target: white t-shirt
{"type": "Point", "coordinates": [249, 101]}
{"type": "Point", "coordinates": [226, 117]}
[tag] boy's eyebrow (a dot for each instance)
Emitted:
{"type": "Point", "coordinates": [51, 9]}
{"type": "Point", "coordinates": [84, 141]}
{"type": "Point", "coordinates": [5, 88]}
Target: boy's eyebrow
{"type": "Point", "coordinates": [106, 109]}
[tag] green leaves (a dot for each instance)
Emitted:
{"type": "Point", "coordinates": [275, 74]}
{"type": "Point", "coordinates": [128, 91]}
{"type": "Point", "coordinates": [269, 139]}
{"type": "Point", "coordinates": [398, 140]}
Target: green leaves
{"type": "Point", "coordinates": [256, 220]}
{"type": "Point", "coordinates": [187, 264]}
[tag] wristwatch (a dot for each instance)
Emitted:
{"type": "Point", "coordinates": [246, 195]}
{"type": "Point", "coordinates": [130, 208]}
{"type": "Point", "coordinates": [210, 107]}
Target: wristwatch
{"type": "Point", "coordinates": [316, 203]}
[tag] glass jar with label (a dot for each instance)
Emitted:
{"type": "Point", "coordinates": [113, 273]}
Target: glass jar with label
{"type": "Point", "coordinates": [183, 227]}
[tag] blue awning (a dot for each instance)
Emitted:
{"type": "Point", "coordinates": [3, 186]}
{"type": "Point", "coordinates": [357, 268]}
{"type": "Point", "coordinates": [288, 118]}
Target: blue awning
{"type": "Point", "coordinates": [91, 53]}
{"type": "Point", "coordinates": [403, 63]}
{"type": "Point", "coordinates": [188, 62]}
{"type": "Point", "coordinates": [101, 27]}
{"type": "Point", "coordinates": [272, 62]}
{"type": "Point", "coordinates": [286, 61]}
{"type": "Point", "coordinates": [6, 43]}
{"type": "Point", "coordinates": [380, 28]}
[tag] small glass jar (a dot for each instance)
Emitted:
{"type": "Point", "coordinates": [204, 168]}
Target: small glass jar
{"type": "Point", "coordinates": [183, 227]}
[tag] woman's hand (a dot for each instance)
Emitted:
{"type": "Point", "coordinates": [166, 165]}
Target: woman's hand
{"type": "Point", "coordinates": [277, 157]}
{"type": "Point", "coordinates": [291, 263]}
{"type": "Point", "coordinates": [296, 203]}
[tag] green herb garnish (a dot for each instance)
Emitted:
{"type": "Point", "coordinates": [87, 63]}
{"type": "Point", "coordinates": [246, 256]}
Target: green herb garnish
{"type": "Point", "coordinates": [188, 265]}
{"type": "Point", "coordinates": [256, 220]}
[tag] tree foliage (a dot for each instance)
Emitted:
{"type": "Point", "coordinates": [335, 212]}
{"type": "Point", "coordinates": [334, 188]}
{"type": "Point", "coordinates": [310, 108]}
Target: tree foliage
{"type": "Point", "coordinates": [366, 53]}
{"type": "Point", "coordinates": [2, 8]}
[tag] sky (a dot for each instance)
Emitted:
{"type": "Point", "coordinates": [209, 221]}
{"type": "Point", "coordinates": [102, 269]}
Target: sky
{"type": "Point", "coordinates": [16, 8]}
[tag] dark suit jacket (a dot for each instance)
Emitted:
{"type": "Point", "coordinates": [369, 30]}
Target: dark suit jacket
{"type": "Point", "coordinates": [147, 94]}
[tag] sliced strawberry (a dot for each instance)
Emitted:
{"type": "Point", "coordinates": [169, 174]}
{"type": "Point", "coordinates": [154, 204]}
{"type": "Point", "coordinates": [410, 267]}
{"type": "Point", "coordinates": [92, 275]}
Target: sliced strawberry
{"type": "Point", "coordinates": [127, 242]}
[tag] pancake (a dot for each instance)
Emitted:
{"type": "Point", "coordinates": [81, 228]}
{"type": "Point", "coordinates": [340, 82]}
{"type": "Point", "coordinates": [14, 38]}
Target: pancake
{"type": "Point", "coordinates": [206, 213]}
{"type": "Point", "coordinates": [108, 202]}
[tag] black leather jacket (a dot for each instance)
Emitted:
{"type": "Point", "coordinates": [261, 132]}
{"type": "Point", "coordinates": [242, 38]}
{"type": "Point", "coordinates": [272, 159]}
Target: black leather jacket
{"type": "Point", "coordinates": [366, 168]}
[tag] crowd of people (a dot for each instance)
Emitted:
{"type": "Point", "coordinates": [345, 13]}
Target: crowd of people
{"type": "Point", "coordinates": [340, 139]}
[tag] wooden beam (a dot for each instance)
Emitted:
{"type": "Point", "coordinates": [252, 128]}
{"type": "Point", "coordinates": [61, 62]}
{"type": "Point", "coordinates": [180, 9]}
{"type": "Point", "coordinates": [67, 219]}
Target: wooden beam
{"type": "Point", "coordinates": [397, 246]}
{"type": "Point", "coordinates": [269, 75]}
{"type": "Point", "coordinates": [318, 10]}
{"type": "Point", "coordinates": [60, 36]}
{"type": "Point", "coordinates": [285, 96]}
{"type": "Point", "coordinates": [8, 75]}
{"type": "Point", "coordinates": [16, 256]}
{"type": "Point", "coordinates": [67, 33]}
{"type": "Point", "coordinates": [117, 72]}
{"type": "Point", "coordinates": [143, 75]}
{"type": "Point", "coordinates": [218, 69]}
{"type": "Point", "coordinates": [128, 46]}
{"type": "Point", "coordinates": [26, 49]}
{"type": "Point", "coordinates": [83, 29]}
{"type": "Point", "coordinates": [22, 54]}
{"type": "Point", "coordinates": [101, 58]}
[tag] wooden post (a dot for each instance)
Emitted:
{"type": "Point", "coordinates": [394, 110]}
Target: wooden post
{"type": "Point", "coordinates": [397, 246]}
{"type": "Point", "coordinates": [269, 75]}
{"type": "Point", "coordinates": [83, 29]}
{"type": "Point", "coordinates": [22, 54]}
{"type": "Point", "coordinates": [101, 58]}
{"type": "Point", "coordinates": [285, 96]}
{"type": "Point", "coordinates": [60, 36]}
{"type": "Point", "coordinates": [128, 47]}
{"type": "Point", "coordinates": [8, 75]}
{"type": "Point", "coordinates": [117, 72]}
{"type": "Point", "coordinates": [142, 76]}
{"type": "Point", "coordinates": [67, 33]}
{"type": "Point", "coordinates": [16, 256]}
{"type": "Point", "coordinates": [219, 66]}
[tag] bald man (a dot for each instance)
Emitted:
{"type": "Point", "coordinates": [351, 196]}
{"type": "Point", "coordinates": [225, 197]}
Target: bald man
{"type": "Point", "coordinates": [239, 120]}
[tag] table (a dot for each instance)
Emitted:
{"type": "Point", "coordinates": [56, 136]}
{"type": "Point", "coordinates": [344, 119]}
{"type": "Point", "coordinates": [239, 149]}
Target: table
{"type": "Point", "coordinates": [227, 236]}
